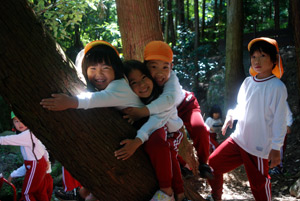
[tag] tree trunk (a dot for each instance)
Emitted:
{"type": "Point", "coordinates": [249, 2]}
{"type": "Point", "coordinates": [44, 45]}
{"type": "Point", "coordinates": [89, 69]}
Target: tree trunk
{"type": "Point", "coordinates": [276, 16]}
{"type": "Point", "coordinates": [234, 74]}
{"type": "Point", "coordinates": [33, 67]}
{"type": "Point", "coordinates": [139, 24]}
{"type": "Point", "coordinates": [180, 11]}
{"type": "Point", "coordinates": [196, 45]}
{"type": "Point", "coordinates": [203, 20]}
{"type": "Point", "coordinates": [295, 6]}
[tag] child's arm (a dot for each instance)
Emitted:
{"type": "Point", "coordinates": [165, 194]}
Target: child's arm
{"type": "Point", "coordinates": [22, 139]}
{"type": "Point", "coordinates": [59, 102]}
{"type": "Point", "coordinates": [280, 110]}
{"type": "Point", "coordinates": [117, 94]}
{"type": "Point", "coordinates": [130, 146]}
{"type": "Point", "coordinates": [20, 172]}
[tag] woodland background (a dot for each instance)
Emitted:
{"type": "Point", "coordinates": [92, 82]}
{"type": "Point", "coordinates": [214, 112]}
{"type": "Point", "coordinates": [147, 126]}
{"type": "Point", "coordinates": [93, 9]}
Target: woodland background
{"type": "Point", "coordinates": [209, 40]}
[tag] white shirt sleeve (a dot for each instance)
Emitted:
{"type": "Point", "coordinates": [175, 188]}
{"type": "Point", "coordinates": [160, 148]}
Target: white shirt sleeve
{"type": "Point", "coordinates": [20, 172]}
{"type": "Point", "coordinates": [172, 90]}
{"type": "Point", "coordinates": [279, 107]}
{"type": "Point", "coordinates": [289, 116]}
{"type": "Point", "coordinates": [117, 94]}
{"type": "Point", "coordinates": [22, 139]}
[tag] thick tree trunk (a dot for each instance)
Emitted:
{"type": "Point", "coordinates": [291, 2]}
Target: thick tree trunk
{"type": "Point", "coordinates": [234, 74]}
{"type": "Point", "coordinates": [33, 67]}
{"type": "Point", "coordinates": [139, 24]}
{"type": "Point", "coordinates": [295, 6]}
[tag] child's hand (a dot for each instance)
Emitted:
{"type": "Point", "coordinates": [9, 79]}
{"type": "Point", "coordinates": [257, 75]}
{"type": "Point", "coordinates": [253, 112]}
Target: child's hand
{"type": "Point", "coordinates": [228, 123]}
{"type": "Point", "coordinates": [274, 157]}
{"type": "Point", "coordinates": [9, 179]}
{"type": "Point", "coordinates": [136, 113]}
{"type": "Point", "coordinates": [130, 146]}
{"type": "Point", "coordinates": [59, 102]}
{"type": "Point", "coordinates": [288, 130]}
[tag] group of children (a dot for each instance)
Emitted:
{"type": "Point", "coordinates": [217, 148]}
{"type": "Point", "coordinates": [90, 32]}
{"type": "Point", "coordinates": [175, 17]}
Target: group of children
{"type": "Point", "coordinates": [151, 97]}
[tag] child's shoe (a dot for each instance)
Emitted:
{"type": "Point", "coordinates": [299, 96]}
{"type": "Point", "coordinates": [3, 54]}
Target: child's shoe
{"type": "Point", "coordinates": [275, 171]}
{"type": "Point", "coordinates": [186, 172]}
{"type": "Point", "coordinates": [161, 196]}
{"type": "Point", "coordinates": [205, 171]}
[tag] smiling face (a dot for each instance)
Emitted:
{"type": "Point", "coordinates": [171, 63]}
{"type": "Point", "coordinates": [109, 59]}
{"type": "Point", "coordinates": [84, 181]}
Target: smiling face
{"type": "Point", "coordinates": [262, 64]}
{"type": "Point", "coordinates": [19, 125]}
{"type": "Point", "coordinates": [100, 75]}
{"type": "Point", "coordinates": [140, 84]}
{"type": "Point", "coordinates": [160, 71]}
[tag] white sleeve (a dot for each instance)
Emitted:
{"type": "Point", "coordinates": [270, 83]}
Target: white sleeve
{"type": "Point", "coordinates": [278, 105]}
{"type": "Point", "coordinates": [20, 172]}
{"type": "Point", "coordinates": [240, 107]}
{"type": "Point", "coordinates": [117, 94]}
{"type": "Point", "coordinates": [22, 139]}
{"type": "Point", "coordinates": [167, 99]}
{"type": "Point", "coordinates": [289, 116]}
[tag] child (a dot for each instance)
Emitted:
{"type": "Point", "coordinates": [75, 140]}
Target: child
{"type": "Point", "coordinates": [36, 184]}
{"type": "Point", "coordinates": [214, 123]}
{"type": "Point", "coordinates": [103, 71]}
{"type": "Point", "coordinates": [158, 57]}
{"type": "Point", "coordinates": [144, 86]}
{"type": "Point", "coordinates": [261, 113]}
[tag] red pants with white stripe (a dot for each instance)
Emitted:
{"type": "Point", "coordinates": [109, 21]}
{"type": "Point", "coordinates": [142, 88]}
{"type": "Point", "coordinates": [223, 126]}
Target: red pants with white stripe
{"type": "Point", "coordinates": [229, 156]}
{"type": "Point", "coordinates": [69, 182]}
{"type": "Point", "coordinates": [34, 184]}
{"type": "Point", "coordinates": [190, 113]}
{"type": "Point", "coordinates": [163, 155]}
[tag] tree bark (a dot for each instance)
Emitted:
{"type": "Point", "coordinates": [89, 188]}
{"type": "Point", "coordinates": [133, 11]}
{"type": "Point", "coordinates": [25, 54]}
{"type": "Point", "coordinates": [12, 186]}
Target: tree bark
{"type": "Point", "coordinates": [234, 73]}
{"type": "Point", "coordinates": [295, 6]}
{"type": "Point", "coordinates": [139, 24]}
{"type": "Point", "coordinates": [33, 67]}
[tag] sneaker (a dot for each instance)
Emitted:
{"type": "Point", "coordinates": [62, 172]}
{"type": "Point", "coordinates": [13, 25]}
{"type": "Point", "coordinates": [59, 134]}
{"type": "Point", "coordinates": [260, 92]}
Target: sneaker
{"type": "Point", "coordinates": [275, 171]}
{"type": "Point", "coordinates": [69, 195]}
{"type": "Point", "coordinates": [161, 196]}
{"type": "Point", "coordinates": [186, 172]}
{"type": "Point", "coordinates": [205, 171]}
{"type": "Point", "coordinates": [62, 195]}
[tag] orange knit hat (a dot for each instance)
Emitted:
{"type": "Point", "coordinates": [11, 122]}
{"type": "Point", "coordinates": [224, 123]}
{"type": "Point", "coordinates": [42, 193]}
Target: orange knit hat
{"type": "Point", "coordinates": [98, 42]}
{"type": "Point", "coordinates": [278, 69]}
{"type": "Point", "coordinates": [158, 50]}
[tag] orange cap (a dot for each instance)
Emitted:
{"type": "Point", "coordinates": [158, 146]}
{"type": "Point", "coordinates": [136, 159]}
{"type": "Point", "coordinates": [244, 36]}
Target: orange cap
{"type": "Point", "coordinates": [278, 69]}
{"type": "Point", "coordinates": [158, 50]}
{"type": "Point", "coordinates": [98, 42]}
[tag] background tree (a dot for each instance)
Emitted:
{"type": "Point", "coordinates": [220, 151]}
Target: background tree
{"type": "Point", "coordinates": [234, 73]}
{"type": "Point", "coordinates": [138, 29]}
{"type": "Point", "coordinates": [295, 6]}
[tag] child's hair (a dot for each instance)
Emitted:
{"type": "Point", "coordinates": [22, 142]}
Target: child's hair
{"type": "Point", "coordinates": [102, 53]}
{"type": "Point", "coordinates": [263, 46]}
{"type": "Point", "coordinates": [131, 65]}
{"type": "Point", "coordinates": [215, 109]}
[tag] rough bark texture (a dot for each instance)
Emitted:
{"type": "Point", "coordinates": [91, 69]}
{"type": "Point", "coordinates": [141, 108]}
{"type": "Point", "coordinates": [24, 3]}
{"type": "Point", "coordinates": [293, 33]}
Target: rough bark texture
{"type": "Point", "coordinates": [33, 67]}
{"type": "Point", "coordinates": [139, 24]}
{"type": "Point", "coordinates": [234, 74]}
{"type": "Point", "coordinates": [295, 7]}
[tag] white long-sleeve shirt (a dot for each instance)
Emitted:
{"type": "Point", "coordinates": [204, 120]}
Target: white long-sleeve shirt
{"type": "Point", "coordinates": [173, 94]}
{"type": "Point", "coordinates": [261, 113]}
{"type": "Point", "coordinates": [119, 94]}
{"type": "Point", "coordinates": [24, 141]}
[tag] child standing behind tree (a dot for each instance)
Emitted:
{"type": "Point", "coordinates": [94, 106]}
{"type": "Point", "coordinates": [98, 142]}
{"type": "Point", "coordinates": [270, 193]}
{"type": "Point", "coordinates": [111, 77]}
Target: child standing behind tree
{"type": "Point", "coordinates": [36, 183]}
{"type": "Point", "coordinates": [261, 127]}
{"type": "Point", "coordinates": [214, 123]}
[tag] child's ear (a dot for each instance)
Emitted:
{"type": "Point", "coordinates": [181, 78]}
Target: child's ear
{"type": "Point", "coordinates": [171, 66]}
